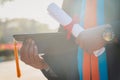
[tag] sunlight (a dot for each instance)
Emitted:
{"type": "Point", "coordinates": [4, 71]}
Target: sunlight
{"type": "Point", "coordinates": [30, 9]}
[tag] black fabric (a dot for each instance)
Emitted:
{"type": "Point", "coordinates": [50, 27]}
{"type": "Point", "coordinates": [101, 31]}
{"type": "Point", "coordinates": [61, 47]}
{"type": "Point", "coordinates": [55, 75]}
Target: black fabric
{"type": "Point", "coordinates": [113, 61]}
{"type": "Point", "coordinates": [116, 28]}
{"type": "Point", "coordinates": [64, 63]}
{"type": "Point", "coordinates": [112, 14]}
{"type": "Point", "coordinates": [50, 76]}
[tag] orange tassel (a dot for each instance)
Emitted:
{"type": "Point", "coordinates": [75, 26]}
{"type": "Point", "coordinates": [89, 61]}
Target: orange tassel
{"type": "Point", "coordinates": [17, 60]}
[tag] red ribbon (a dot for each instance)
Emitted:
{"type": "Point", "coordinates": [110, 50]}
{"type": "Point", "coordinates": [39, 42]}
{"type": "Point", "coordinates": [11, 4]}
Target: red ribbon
{"type": "Point", "coordinates": [69, 27]}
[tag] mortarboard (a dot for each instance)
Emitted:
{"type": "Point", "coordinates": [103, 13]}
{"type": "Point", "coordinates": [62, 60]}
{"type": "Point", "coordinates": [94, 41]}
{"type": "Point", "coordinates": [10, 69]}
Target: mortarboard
{"type": "Point", "coordinates": [60, 53]}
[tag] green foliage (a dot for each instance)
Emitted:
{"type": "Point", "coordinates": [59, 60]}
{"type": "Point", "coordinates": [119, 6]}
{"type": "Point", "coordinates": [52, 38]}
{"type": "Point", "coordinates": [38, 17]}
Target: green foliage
{"type": "Point", "coordinates": [20, 26]}
{"type": "Point", "coordinates": [2, 2]}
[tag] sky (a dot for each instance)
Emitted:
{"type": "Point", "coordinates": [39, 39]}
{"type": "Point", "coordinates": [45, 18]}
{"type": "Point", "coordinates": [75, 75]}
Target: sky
{"type": "Point", "coordinates": [30, 9]}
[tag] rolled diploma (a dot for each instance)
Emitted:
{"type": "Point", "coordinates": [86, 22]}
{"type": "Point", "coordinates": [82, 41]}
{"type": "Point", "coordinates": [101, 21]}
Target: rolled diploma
{"type": "Point", "coordinates": [64, 19]}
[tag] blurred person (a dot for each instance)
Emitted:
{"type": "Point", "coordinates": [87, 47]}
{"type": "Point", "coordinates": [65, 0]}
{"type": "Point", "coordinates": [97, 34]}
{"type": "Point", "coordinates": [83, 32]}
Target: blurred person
{"type": "Point", "coordinates": [94, 17]}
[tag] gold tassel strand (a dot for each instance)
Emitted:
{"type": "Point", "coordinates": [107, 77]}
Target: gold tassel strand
{"type": "Point", "coordinates": [17, 59]}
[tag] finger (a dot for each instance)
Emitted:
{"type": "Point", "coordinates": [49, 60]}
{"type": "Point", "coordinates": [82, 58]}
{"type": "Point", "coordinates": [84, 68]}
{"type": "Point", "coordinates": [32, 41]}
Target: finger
{"type": "Point", "coordinates": [43, 64]}
{"type": "Point", "coordinates": [89, 50]}
{"type": "Point", "coordinates": [21, 53]}
{"type": "Point", "coordinates": [22, 50]}
{"type": "Point", "coordinates": [31, 52]}
{"type": "Point", "coordinates": [26, 51]}
{"type": "Point", "coordinates": [38, 59]}
{"type": "Point", "coordinates": [35, 49]}
{"type": "Point", "coordinates": [35, 55]}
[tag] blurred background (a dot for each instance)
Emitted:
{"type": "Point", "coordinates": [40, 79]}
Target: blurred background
{"type": "Point", "coordinates": [19, 17]}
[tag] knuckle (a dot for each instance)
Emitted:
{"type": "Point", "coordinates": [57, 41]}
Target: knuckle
{"type": "Point", "coordinates": [27, 62]}
{"type": "Point", "coordinates": [21, 58]}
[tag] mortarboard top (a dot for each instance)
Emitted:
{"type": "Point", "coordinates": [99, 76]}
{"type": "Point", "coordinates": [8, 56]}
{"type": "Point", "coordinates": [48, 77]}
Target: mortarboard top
{"type": "Point", "coordinates": [54, 42]}
{"type": "Point", "coordinates": [60, 53]}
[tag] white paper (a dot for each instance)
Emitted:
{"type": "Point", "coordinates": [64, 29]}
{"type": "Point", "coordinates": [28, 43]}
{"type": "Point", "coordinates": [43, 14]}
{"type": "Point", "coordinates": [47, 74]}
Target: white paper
{"type": "Point", "coordinates": [61, 16]}
{"type": "Point", "coordinates": [99, 52]}
{"type": "Point", "coordinates": [76, 30]}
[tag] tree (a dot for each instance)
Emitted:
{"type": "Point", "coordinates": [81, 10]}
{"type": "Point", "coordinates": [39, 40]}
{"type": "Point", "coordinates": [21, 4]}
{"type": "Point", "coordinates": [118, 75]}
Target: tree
{"type": "Point", "coordinates": [2, 2]}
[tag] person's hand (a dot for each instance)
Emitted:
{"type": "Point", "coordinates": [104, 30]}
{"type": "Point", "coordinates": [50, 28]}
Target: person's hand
{"type": "Point", "coordinates": [29, 55]}
{"type": "Point", "coordinates": [91, 40]}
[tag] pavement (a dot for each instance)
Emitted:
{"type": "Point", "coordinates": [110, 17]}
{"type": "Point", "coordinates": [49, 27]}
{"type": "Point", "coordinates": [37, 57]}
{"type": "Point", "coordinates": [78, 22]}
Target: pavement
{"type": "Point", "coordinates": [8, 72]}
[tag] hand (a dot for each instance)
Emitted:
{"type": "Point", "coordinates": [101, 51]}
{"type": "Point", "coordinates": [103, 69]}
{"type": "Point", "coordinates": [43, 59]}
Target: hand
{"type": "Point", "coordinates": [29, 55]}
{"type": "Point", "coordinates": [91, 39]}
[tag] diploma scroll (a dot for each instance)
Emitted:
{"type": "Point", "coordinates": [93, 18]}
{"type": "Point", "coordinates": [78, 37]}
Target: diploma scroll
{"type": "Point", "coordinates": [64, 19]}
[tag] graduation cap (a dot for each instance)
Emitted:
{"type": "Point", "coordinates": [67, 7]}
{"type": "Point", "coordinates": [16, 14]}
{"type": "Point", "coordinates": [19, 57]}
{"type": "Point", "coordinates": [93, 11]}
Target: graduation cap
{"type": "Point", "coordinates": [60, 53]}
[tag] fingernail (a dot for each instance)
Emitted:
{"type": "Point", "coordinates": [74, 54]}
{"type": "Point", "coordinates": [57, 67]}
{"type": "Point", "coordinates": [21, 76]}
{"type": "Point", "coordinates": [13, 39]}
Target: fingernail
{"type": "Point", "coordinates": [35, 47]}
{"type": "Point", "coordinates": [29, 40]}
{"type": "Point", "coordinates": [33, 42]}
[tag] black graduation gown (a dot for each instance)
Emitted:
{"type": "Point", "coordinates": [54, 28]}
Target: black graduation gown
{"type": "Point", "coordinates": [61, 54]}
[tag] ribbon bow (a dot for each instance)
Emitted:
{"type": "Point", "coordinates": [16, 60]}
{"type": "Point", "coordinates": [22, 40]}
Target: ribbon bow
{"type": "Point", "coordinates": [69, 27]}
